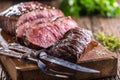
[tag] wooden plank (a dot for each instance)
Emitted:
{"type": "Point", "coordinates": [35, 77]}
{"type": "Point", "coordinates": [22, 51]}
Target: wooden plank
{"type": "Point", "coordinates": [99, 61]}
{"type": "Point", "coordinates": [4, 5]}
{"type": "Point", "coordinates": [84, 22]}
{"type": "Point", "coordinates": [110, 26]}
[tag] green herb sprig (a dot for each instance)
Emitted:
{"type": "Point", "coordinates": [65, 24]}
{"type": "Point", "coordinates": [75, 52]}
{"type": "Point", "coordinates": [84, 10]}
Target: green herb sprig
{"type": "Point", "coordinates": [109, 41]}
{"type": "Point", "coordinates": [107, 8]}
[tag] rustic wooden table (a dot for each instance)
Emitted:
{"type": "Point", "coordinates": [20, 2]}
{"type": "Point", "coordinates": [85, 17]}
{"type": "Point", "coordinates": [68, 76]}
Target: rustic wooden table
{"type": "Point", "coordinates": [93, 23]}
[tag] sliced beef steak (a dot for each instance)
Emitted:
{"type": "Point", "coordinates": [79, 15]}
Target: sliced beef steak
{"type": "Point", "coordinates": [16, 15]}
{"type": "Point", "coordinates": [72, 45]}
{"type": "Point", "coordinates": [46, 34]}
{"type": "Point", "coordinates": [21, 29]}
{"type": "Point", "coordinates": [45, 13]}
{"type": "Point", "coordinates": [9, 17]}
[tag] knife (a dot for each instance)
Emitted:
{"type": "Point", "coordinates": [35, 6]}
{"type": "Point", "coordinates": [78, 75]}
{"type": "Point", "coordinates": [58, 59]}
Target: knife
{"type": "Point", "coordinates": [46, 57]}
{"type": "Point", "coordinates": [4, 50]}
{"type": "Point", "coordinates": [44, 68]}
{"type": "Point", "coordinates": [55, 60]}
{"type": "Point", "coordinates": [65, 63]}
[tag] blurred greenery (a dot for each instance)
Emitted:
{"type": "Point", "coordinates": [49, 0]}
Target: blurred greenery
{"type": "Point", "coordinates": [109, 41]}
{"type": "Point", "coordinates": [107, 8]}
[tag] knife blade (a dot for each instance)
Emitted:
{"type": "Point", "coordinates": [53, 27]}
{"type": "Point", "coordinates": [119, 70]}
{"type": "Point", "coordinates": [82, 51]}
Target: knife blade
{"type": "Point", "coordinates": [66, 64]}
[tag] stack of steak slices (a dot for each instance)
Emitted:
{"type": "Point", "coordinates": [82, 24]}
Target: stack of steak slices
{"type": "Point", "coordinates": [9, 17]}
{"type": "Point", "coordinates": [46, 34]}
{"type": "Point", "coordinates": [40, 26]}
{"type": "Point", "coordinates": [36, 25]}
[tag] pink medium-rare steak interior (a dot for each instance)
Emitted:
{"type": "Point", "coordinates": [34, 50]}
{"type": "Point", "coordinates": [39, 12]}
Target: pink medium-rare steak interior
{"type": "Point", "coordinates": [45, 13]}
{"type": "Point", "coordinates": [47, 34]}
{"type": "Point", "coordinates": [39, 39]}
{"type": "Point", "coordinates": [22, 28]}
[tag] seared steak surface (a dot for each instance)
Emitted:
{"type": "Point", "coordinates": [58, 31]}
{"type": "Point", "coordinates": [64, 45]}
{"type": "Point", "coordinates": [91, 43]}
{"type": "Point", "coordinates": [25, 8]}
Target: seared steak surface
{"type": "Point", "coordinates": [72, 45]}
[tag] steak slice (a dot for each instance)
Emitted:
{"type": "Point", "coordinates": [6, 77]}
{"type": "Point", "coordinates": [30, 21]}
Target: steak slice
{"type": "Point", "coordinates": [22, 28]}
{"type": "Point", "coordinates": [72, 45]}
{"type": "Point", "coordinates": [45, 13]}
{"type": "Point", "coordinates": [9, 17]}
{"type": "Point", "coordinates": [46, 34]}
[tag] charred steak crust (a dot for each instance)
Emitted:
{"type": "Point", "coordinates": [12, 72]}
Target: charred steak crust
{"type": "Point", "coordinates": [8, 24]}
{"type": "Point", "coordinates": [72, 45]}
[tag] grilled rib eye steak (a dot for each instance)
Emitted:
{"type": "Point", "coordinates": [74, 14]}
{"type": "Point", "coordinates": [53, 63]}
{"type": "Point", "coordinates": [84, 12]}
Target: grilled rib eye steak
{"type": "Point", "coordinates": [9, 17]}
{"type": "Point", "coordinates": [13, 17]}
{"type": "Point", "coordinates": [35, 24]}
{"type": "Point", "coordinates": [39, 26]}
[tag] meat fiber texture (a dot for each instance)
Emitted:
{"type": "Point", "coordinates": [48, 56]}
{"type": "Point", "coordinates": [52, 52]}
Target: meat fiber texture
{"type": "Point", "coordinates": [36, 25]}
{"type": "Point", "coordinates": [40, 26]}
{"type": "Point", "coordinates": [47, 34]}
{"type": "Point", "coordinates": [10, 17]}
{"type": "Point", "coordinates": [72, 45]}
{"type": "Point", "coordinates": [45, 13]}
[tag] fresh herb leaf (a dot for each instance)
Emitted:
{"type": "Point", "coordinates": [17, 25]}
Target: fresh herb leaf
{"type": "Point", "coordinates": [109, 41]}
{"type": "Point", "coordinates": [70, 7]}
{"type": "Point", "coordinates": [108, 8]}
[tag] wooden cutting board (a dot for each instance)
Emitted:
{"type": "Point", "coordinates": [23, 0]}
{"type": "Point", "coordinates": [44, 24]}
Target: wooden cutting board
{"type": "Point", "coordinates": [99, 58]}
